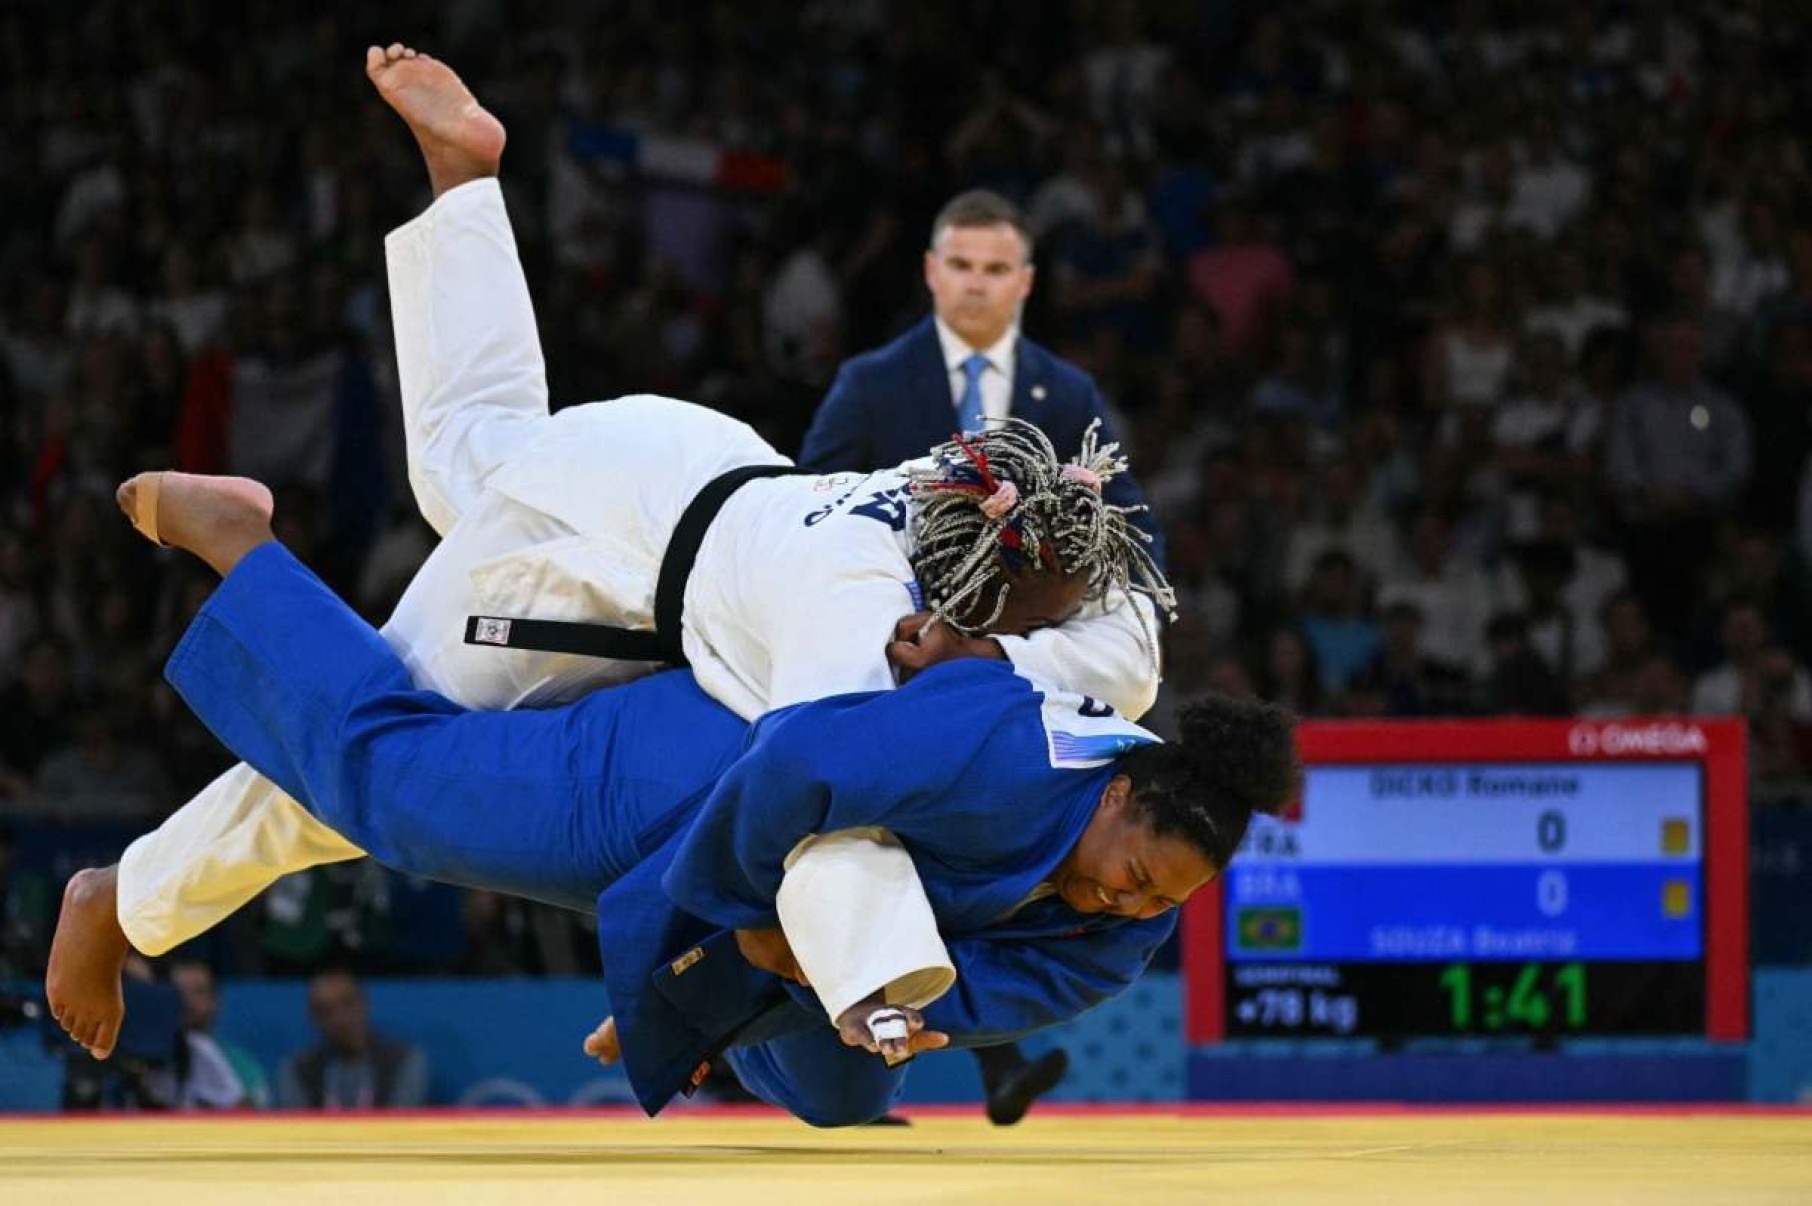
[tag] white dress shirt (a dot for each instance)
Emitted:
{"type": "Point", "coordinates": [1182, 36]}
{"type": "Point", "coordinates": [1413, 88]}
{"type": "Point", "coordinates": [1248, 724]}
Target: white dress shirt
{"type": "Point", "coordinates": [996, 383]}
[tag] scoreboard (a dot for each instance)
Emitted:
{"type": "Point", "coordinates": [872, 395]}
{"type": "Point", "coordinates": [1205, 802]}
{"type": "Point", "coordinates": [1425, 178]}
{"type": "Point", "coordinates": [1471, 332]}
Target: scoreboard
{"type": "Point", "coordinates": [1480, 879]}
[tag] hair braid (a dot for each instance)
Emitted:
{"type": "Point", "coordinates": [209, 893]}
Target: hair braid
{"type": "Point", "coordinates": [1001, 501]}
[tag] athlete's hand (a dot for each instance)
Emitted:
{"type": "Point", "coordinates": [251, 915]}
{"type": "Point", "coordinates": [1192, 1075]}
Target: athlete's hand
{"type": "Point", "coordinates": [911, 651]}
{"type": "Point", "coordinates": [771, 952]}
{"type": "Point", "coordinates": [902, 1030]}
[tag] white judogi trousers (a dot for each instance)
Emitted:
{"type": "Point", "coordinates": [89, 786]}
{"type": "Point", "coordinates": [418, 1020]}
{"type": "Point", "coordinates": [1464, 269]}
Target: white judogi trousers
{"type": "Point", "coordinates": [474, 398]}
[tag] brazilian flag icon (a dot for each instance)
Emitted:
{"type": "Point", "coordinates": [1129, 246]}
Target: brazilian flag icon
{"type": "Point", "coordinates": [1275, 928]}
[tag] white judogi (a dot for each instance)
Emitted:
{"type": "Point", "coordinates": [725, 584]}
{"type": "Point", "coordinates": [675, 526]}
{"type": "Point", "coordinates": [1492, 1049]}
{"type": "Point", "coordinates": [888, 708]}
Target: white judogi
{"type": "Point", "coordinates": [794, 595]}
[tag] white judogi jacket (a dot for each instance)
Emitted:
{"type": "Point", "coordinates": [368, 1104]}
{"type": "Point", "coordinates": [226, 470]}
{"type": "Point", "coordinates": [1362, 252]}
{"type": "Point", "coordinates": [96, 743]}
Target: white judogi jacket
{"type": "Point", "coordinates": [798, 583]}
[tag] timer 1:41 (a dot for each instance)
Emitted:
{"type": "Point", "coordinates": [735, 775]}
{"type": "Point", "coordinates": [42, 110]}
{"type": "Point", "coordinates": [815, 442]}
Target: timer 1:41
{"type": "Point", "coordinates": [1533, 996]}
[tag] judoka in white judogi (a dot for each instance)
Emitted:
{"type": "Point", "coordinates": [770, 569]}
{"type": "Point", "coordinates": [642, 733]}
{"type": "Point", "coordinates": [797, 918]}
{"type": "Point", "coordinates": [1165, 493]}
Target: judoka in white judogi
{"type": "Point", "coordinates": [796, 590]}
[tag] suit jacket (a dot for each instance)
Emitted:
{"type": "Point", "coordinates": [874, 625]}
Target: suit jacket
{"type": "Point", "coordinates": [894, 403]}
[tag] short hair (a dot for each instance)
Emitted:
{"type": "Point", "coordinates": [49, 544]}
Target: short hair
{"type": "Point", "coordinates": [1057, 520]}
{"type": "Point", "coordinates": [981, 207]}
{"type": "Point", "coordinates": [1236, 757]}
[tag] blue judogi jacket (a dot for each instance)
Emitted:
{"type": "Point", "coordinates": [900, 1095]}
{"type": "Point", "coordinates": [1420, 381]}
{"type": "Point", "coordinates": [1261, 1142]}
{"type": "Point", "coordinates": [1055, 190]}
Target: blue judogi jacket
{"type": "Point", "coordinates": [659, 805]}
{"type": "Point", "coordinates": [986, 780]}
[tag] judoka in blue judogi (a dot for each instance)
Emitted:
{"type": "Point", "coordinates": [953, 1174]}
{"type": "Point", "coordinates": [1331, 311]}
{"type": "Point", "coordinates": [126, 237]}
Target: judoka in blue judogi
{"type": "Point", "coordinates": [1053, 839]}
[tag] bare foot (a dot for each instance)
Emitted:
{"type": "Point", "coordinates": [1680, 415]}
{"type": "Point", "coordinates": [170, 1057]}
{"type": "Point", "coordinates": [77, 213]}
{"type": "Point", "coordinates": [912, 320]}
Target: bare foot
{"type": "Point", "coordinates": [460, 140]}
{"type": "Point", "coordinates": [90, 948]}
{"type": "Point", "coordinates": [219, 519]}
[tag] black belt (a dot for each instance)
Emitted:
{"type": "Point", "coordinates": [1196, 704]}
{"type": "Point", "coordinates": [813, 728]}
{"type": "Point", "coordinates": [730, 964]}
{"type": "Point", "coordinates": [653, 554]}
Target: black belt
{"type": "Point", "coordinates": [633, 644]}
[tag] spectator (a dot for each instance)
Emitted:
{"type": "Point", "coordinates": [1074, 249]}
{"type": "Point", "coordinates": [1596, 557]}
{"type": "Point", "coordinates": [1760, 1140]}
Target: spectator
{"type": "Point", "coordinates": [1123, 71]}
{"type": "Point", "coordinates": [1409, 682]}
{"type": "Point", "coordinates": [105, 774]}
{"type": "Point", "coordinates": [1752, 266]}
{"type": "Point", "coordinates": [1245, 279]}
{"type": "Point", "coordinates": [1543, 434]}
{"type": "Point", "coordinates": [1485, 209]}
{"type": "Point", "coordinates": [1570, 309]}
{"type": "Point", "coordinates": [1334, 620]}
{"type": "Point", "coordinates": [1546, 188]}
{"type": "Point", "coordinates": [1300, 382]}
{"type": "Point", "coordinates": [1690, 295]}
{"type": "Point", "coordinates": [1519, 681]}
{"type": "Point", "coordinates": [1629, 646]}
{"type": "Point", "coordinates": [1679, 458]}
{"type": "Point", "coordinates": [802, 315]}
{"type": "Point", "coordinates": [1567, 641]}
{"type": "Point", "coordinates": [1775, 695]}
{"type": "Point", "coordinates": [1598, 573]}
{"type": "Point", "coordinates": [1347, 516]}
{"type": "Point", "coordinates": [1468, 359]}
{"type": "Point", "coordinates": [1287, 673]}
{"type": "Point", "coordinates": [214, 1074]}
{"type": "Point", "coordinates": [1657, 688]}
{"type": "Point", "coordinates": [1107, 268]}
{"type": "Point", "coordinates": [1753, 564]}
{"type": "Point", "coordinates": [195, 311]}
{"type": "Point", "coordinates": [353, 1067]}
{"type": "Point", "coordinates": [1449, 594]}
{"type": "Point", "coordinates": [1753, 671]}
{"type": "Point", "coordinates": [1793, 303]}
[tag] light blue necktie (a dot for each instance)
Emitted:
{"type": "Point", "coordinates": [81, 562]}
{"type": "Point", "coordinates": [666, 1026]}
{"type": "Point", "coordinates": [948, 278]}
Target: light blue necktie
{"type": "Point", "coordinates": [969, 415]}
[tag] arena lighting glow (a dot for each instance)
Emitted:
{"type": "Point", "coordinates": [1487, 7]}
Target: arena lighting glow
{"type": "Point", "coordinates": [1491, 878]}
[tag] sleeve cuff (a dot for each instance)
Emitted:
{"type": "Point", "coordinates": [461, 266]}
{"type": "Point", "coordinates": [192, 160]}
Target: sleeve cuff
{"type": "Point", "coordinates": [858, 921]}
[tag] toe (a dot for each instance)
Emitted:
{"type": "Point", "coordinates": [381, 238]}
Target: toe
{"type": "Point", "coordinates": [374, 59]}
{"type": "Point", "coordinates": [104, 1041]}
{"type": "Point", "coordinates": [394, 51]}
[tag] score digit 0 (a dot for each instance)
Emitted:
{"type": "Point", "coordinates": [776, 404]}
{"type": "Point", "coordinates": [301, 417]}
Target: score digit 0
{"type": "Point", "coordinates": [1551, 893]}
{"type": "Point", "coordinates": [1551, 831]}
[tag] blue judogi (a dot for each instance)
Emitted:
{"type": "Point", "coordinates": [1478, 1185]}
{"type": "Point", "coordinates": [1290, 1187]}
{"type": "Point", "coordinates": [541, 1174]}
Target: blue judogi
{"type": "Point", "coordinates": [670, 815]}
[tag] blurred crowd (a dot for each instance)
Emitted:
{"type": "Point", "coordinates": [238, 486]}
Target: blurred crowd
{"type": "Point", "coordinates": [1464, 349]}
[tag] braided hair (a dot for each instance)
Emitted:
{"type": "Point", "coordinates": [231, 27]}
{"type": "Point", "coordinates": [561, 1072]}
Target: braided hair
{"type": "Point", "coordinates": [1236, 757]}
{"type": "Point", "coordinates": [998, 502]}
